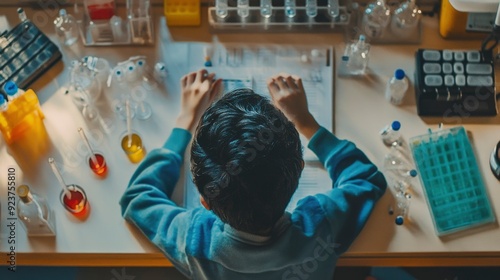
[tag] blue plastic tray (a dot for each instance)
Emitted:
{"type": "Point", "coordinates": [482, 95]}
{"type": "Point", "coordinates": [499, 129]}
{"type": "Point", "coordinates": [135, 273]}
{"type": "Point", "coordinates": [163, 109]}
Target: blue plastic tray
{"type": "Point", "coordinates": [451, 180]}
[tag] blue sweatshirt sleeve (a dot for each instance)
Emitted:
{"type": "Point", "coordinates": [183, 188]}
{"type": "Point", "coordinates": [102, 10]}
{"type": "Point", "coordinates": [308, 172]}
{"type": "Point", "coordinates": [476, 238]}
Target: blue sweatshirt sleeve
{"type": "Point", "coordinates": [146, 202]}
{"type": "Point", "coordinates": [357, 185]}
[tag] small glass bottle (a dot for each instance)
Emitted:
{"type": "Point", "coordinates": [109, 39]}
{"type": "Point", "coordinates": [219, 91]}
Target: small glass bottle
{"type": "Point", "coordinates": [397, 87]}
{"type": "Point", "coordinates": [357, 56]}
{"type": "Point", "coordinates": [405, 19]}
{"type": "Point", "coordinates": [66, 28]}
{"type": "Point", "coordinates": [403, 205]}
{"type": "Point", "coordinates": [390, 134]}
{"type": "Point", "coordinates": [21, 14]}
{"type": "Point", "coordinates": [375, 19]}
{"type": "Point", "coordinates": [34, 213]}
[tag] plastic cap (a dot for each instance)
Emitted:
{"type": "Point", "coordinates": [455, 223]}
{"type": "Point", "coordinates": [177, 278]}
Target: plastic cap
{"type": "Point", "coordinates": [2, 100]}
{"type": "Point", "coordinates": [399, 74]}
{"type": "Point", "coordinates": [10, 88]}
{"type": "Point", "coordinates": [396, 125]}
{"type": "Point", "coordinates": [62, 12]}
{"type": "Point", "coordinates": [399, 220]}
{"type": "Point", "coordinates": [413, 173]}
{"type": "Point", "coordinates": [362, 37]}
{"type": "Point", "coordinates": [20, 10]}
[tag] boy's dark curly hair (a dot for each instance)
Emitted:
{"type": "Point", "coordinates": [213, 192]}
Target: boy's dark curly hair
{"type": "Point", "coordinates": [246, 160]}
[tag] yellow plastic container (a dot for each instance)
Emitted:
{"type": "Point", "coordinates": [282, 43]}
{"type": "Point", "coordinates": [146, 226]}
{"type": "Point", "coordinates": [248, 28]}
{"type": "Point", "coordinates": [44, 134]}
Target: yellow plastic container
{"type": "Point", "coordinates": [24, 113]}
{"type": "Point", "coordinates": [182, 12]}
{"type": "Point", "coordinates": [453, 24]}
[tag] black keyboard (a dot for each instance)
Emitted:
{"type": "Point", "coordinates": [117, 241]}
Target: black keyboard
{"type": "Point", "coordinates": [455, 83]}
{"type": "Point", "coordinates": [25, 54]}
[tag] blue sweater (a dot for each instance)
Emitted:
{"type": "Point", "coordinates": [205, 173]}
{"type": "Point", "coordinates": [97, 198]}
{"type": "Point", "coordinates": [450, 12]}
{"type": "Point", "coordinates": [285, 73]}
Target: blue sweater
{"type": "Point", "coordinates": [304, 244]}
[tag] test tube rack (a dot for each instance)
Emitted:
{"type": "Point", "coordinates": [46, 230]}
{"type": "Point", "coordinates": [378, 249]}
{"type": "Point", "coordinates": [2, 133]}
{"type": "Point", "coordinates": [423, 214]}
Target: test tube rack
{"type": "Point", "coordinates": [451, 180]}
{"type": "Point", "coordinates": [136, 31]}
{"type": "Point", "coordinates": [278, 21]}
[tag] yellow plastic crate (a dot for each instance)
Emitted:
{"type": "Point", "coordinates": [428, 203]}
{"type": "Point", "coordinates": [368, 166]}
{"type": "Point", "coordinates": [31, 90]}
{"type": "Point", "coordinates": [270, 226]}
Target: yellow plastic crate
{"type": "Point", "coordinates": [182, 12]}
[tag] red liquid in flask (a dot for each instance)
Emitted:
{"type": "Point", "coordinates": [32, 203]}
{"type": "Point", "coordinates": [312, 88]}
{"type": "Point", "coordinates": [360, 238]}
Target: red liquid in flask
{"type": "Point", "coordinates": [99, 168]}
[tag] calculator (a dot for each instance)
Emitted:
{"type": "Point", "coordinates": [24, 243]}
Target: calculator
{"type": "Point", "coordinates": [25, 54]}
{"type": "Point", "coordinates": [455, 83]}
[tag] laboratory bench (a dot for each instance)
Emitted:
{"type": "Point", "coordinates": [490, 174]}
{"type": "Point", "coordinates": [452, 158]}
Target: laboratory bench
{"type": "Point", "coordinates": [360, 111]}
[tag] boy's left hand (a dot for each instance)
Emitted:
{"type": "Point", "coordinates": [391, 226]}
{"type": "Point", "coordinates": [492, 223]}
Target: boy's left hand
{"type": "Point", "coordinates": [198, 91]}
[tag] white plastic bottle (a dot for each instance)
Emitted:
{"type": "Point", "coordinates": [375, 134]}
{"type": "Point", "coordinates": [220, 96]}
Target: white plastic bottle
{"type": "Point", "coordinates": [391, 135]}
{"type": "Point", "coordinates": [66, 28]}
{"type": "Point", "coordinates": [405, 19]}
{"type": "Point", "coordinates": [397, 87]}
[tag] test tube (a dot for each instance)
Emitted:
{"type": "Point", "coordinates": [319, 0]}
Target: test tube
{"type": "Point", "coordinates": [144, 110]}
{"type": "Point", "coordinates": [266, 8]}
{"type": "Point", "coordinates": [97, 163]}
{"type": "Point", "coordinates": [221, 8]}
{"type": "Point", "coordinates": [242, 7]}
{"type": "Point", "coordinates": [333, 8]}
{"type": "Point", "coordinates": [311, 8]}
{"type": "Point", "coordinates": [290, 8]}
{"type": "Point", "coordinates": [131, 141]}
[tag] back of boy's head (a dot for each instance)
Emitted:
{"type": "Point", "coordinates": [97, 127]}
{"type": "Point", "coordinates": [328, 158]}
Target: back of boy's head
{"type": "Point", "coordinates": [246, 161]}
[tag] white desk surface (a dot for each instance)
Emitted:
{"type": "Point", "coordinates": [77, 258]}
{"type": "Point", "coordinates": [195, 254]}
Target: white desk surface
{"type": "Point", "coordinates": [360, 112]}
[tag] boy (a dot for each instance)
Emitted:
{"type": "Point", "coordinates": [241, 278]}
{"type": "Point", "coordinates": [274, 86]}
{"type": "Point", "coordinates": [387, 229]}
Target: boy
{"type": "Point", "coordinates": [246, 161]}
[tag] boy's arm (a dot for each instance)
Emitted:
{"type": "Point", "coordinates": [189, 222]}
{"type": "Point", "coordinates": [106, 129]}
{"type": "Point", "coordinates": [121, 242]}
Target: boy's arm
{"type": "Point", "coordinates": [147, 204]}
{"type": "Point", "coordinates": [357, 185]}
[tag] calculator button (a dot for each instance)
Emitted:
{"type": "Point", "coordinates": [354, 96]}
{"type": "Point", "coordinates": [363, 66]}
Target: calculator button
{"type": "Point", "coordinates": [458, 67]}
{"type": "Point", "coordinates": [447, 68]}
{"type": "Point", "coordinates": [432, 68]}
{"type": "Point", "coordinates": [459, 56]}
{"type": "Point", "coordinates": [431, 55]}
{"type": "Point", "coordinates": [433, 80]}
{"type": "Point", "coordinates": [449, 80]}
{"type": "Point", "coordinates": [479, 69]}
{"type": "Point", "coordinates": [473, 56]}
{"type": "Point", "coordinates": [447, 55]}
{"type": "Point", "coordinates": [479, 81]}
{"type": "Point", "coordinates": [460, 80]}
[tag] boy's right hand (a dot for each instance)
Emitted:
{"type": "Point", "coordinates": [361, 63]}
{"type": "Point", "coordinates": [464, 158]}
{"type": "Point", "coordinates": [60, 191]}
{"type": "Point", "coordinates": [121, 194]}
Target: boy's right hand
{"type": "Point", "coordinates": [198, 91]}
{"type": "Point", "coordinates": [288, 95]}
